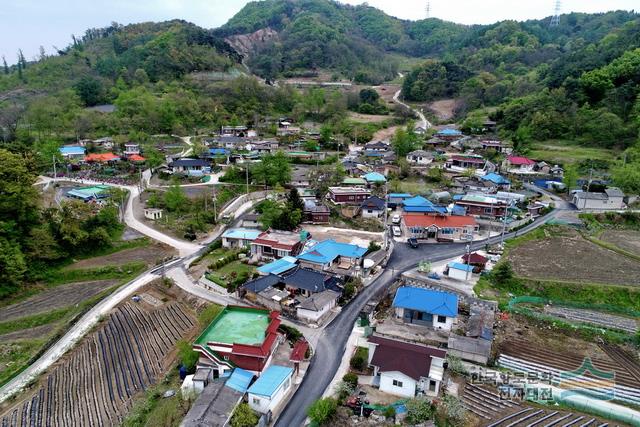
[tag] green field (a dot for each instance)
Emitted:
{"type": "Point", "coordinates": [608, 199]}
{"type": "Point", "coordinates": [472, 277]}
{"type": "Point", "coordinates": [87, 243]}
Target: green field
{"type": "Point", "coordinates": [568, 152]}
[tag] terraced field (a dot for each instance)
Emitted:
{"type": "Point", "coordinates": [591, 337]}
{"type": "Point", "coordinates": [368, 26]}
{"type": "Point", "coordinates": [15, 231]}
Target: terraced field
{"type": "Point", "coordinates": [95, 384]}
{"type": "Point", "coordinates": [54, 298]}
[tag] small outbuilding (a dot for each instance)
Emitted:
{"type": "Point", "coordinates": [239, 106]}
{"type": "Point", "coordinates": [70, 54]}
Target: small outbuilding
{"type": "Point", "coordinates": [270, 389]}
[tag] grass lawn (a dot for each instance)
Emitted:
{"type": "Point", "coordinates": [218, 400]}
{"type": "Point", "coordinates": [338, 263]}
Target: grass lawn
{"type": "Point", "coordinates": [222, 275]}
{"type": "Point", "coordinates": [568, 152]}
{"type": "Point", "coordinates": [412, 185]}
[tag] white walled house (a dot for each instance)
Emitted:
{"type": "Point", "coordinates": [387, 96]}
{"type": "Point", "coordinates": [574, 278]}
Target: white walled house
{"type": "Point", "coordinates": [420, 158]}
{"type": "Point", "coordinates": [611, 199]}
{"type": "Point", "coordinates": [270, 389]}
{"type": "Point", "coordinates": [426, 307]}
{"type": "Point", "coordinates": [314, 308]}
{"type": "Point", "coordinates": [406, 369]}
{"type": "Point", "coordinates": [239, 237]}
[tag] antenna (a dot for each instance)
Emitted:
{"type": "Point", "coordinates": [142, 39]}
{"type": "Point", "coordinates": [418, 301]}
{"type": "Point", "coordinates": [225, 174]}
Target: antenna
{"type": "Point", "coordinates": [428, 9]}
{"type": "Point", "coordinates": [555, 19]}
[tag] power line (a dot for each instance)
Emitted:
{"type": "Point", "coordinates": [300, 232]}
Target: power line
{"type": "Point", "coordinates": [555, 19]}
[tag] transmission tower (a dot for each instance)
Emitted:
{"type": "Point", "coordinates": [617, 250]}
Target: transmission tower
{"type": "Point", "coordinates": [555, 19]}
{"type": "Point", "coordinates": [428, 9]}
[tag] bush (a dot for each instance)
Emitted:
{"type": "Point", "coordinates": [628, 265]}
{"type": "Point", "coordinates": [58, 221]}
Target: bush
{"type": "Point", "coordinates": [359, 360]}
{"type": "Point", "coordinates": [321, 411]}
{"type": "Point", "coordinates": [188, 357]}
{"type": "Point", "coordinates": [243, 416]}
{"type": "Point", "coordinates": [419, 410]}
{"type": "Point", "coordinates": [292, 333]}
{"type": "Point", "coordinates": [373, 246]}
{"type": "Point", "coordinates": [351, 379]}
{"type": "Point", "coordinates": [390, 412]}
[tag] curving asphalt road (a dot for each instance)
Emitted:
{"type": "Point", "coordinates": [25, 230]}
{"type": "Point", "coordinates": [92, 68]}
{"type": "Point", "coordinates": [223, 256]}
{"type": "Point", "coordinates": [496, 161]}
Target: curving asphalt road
{"type": "Point", "coordinates": [332, 343]}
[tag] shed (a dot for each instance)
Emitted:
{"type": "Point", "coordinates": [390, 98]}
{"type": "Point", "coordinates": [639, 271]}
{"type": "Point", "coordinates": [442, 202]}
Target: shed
{"type": "Point", "coordinates": [459, 271]}
{"type": "Point", "coordinates": [270, 389]}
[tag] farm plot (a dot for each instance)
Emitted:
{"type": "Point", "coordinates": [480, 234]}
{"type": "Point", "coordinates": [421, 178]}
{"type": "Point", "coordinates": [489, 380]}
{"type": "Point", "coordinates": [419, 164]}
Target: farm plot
{"type": "Point", "coordinates": [484, 403]}
{"type": "Point", "coordinates": [95, 384]}
{"type": "Point", "coordinates": [150, 255]}
{"type": "Point", "coordinates": [574, 259]}
{"type": "Point", "coordinates": [628, 240]}
{"type": "Point", "coordinates": [594, 317]}
{"type": "Point", "coordinates": [54, 298]}
{"type": "Point", "coordinates": [541, 417]}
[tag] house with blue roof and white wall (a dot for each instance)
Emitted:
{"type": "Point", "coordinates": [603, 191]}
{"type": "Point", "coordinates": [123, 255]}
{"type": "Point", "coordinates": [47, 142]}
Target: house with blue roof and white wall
{"type": "Point", "coordinates": [239, 237]}
{"type": "Point", "coordinates": [270, 390]}
{"type": "Point", "coordinates": [426, 307]}
{"type": "Point", "coordinates": [72, 152]}
{"type": "Point", "coordinates": [329, 255]}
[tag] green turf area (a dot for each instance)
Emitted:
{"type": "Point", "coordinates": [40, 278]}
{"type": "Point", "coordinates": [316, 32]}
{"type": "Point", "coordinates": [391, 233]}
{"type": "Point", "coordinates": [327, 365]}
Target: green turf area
{"type": "Point", "coordinates": [567, 152]}
{"type": "Point", "coordinates": [236, 325]}
{"type": "Point", "coordinates": [223, 275]}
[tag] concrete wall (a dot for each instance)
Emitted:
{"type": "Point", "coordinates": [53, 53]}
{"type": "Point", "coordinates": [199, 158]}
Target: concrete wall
{"type": "Point", "coordinates": [265, 404]}
{"type": "Point", "coordinates": [373, 214]}
{"type": "Point", "coordinates": [408, 388]}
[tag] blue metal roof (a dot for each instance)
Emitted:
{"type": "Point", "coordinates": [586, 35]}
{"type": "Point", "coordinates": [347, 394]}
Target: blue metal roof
{"type": "Point", "coordinates": [270, 380]}
{"type": "Point", "coordinates": [328, 250]}
{"type": "Point", "coordinates": [72, 150]}
{"type": "Point", "coordinates": [417, 201]}
{"type": "Point", "coordinates": [218, 151]}
{"type": "Point", "coordinates": [420, 204]}
{"type": "Point", "coordinates": [460, 266]}
{"type": "Point", "coordinates": [242, 233]}
{"type": "Point", "coordinates": [278, 266]}
{"type": "Point", "coordinates": [495, 178]}
{"type": "Point", "coordinates": [427, 301]}
{"type": "Point", "coordinates": [239, 380]}
{"type": "Point", "coordinates": [375, 177]}
{"type": "Point", "coordinates": [400, 195]}
{"type": "Point", "coordinates": [449, 132]}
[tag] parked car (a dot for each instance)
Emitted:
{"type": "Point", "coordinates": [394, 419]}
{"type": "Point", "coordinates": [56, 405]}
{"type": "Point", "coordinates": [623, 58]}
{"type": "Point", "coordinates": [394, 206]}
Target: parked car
{"type": "Point", "coordinates": [396, 231]}
{"type": "Point", "coordinates": [395, 219]}
{"type": "Point", "coordinates": [413, 242]}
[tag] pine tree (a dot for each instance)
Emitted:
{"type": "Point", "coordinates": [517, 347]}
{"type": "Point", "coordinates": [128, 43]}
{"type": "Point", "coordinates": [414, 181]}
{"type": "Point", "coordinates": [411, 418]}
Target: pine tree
{"type": "Point", "coordinates": [4, 63]}
{"type": "Point", "coordinates": [21, 59]}
{"type": "Point", "coordinates": [20, 69]}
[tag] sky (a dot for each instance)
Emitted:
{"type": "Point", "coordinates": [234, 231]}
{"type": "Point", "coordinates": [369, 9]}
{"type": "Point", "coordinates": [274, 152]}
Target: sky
{"type": "Point", "coordinates": [29, 24]}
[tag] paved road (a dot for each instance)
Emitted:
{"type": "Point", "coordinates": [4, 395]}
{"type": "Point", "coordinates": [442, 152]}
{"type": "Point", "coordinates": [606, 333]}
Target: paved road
{"type": "Point", "coordinates": [424, 123]}
{"type": "Point", "coordinates": [332, 342]}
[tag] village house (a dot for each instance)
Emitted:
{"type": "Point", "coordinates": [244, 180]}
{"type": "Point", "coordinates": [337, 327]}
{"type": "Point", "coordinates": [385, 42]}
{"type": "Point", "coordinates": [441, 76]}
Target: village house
{"type": "Point", "coordinates": [481, 205]}
{"type": "Point", "coordinates": [131, 149]}
{"type": "Point", "coordinates": [395, 199]}
{"type": "Point", "coordinates": [460, 163]}
{"type": "Point", "coordinates": [231, 142]}
{"type": "Point", "coordinates": [426, 307]}
{"type": "Point", "coordinates": [477, 261]}
{"type": "Point", "coordinates": [495, 180]}
{"type": "Point", "coordinates": [274, 244]}
{"type": "Point", "coordinates": [270, 389]}
{"type": "Point", "coordinates": [101, 158]}
{"type": "Point", "coordinates": [329, 255]}
{"type": "Point", "coordinates": [351, 181]}
{"type": "Point", "coordinates": [492, 145]}
{"type": "Point", "coordinates": [105, 142]}
{"type": "Point", "coordinates": [440, 228]}
{"type": "Point", "coordinates": [611, 200]}
{"type": "Point", "coordinates": [300, 177]}
{"type": "Point", "coordinates": [224, 344]}
{"type": "Point", "coordinates": [458, 271]}
{"type": "Point", "coordinates": [449, 134]}
{"type": "Point", "coordinates": [264, 146]}
{"type": "Point", "coordinates": [315, 212]}
{"type": "Point", "coordinates": [190, 167]}
{"type": "Point", "coordinates": [317, 306]}
{"type": "Point", "coordinates": [377, 146]}
{"type": "Point", "coordinates": [72, 152]}
{"type": "Point", "coordinates": [348, 195]}
{"type": "Point", "coordinates": [374, 178]}
{"type": "Point", "coordinates": [153, 214]}
{"type": "Point", "coordinates": [373, 207]}
{"type": "Point", "coordinates": [419, 204]}
{"type": "Point", "coordinates": [240, 131]}
{"type": "Point", "coordinates": [406, 369]}
{"type": "Point", "coordinates": [519, 164]}
{"type": "Point", "coordinates": [420, 158]}
{"type": "Point", "coordinates": [239, 237]}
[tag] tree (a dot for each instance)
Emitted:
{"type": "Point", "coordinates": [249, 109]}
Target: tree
{"type": "Point", "coordinates": [403, 142]}
{"type": "Point", "coordinates": [243, 416]}
{"type": "Point", "coordinates": [570, 177]}
{"type": "Point", "coordinates": [90, 90]}
{"type": "Point", "coordinates": [174, 198]}
{"type": "Point", "coordinates": [321, 411]}
{"type": "Point", "coordinates": [502, 273]}
{"type": "Point", "coordinates": [188, 357]}
{"type": "Point", "coordinates": [294, 201]}
{"type": "Point", "coordinates": [4, 65]}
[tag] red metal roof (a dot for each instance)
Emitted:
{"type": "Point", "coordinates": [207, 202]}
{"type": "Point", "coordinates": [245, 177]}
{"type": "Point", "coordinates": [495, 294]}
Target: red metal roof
{"type": "Point", "coordinates": [136, 158]}
{"type": "Point", "coordinates": [299, 350]}
{"type": "Point", "coordinates": [474, 258]}
{"type": "Point", "coordinates": [517, 160]}
{"type": "Point", "coordinates": [412, 360]}
{"type": "Point", "coordinates": [468, 159]}
{"type": "Point", "coordinates": [418, 220]}
{"type": "Point", "coordinates": [101, 157]}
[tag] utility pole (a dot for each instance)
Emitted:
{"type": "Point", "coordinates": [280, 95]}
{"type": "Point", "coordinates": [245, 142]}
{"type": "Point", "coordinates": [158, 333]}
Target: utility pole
{"type": "Point", "coordinates": [555, 19]}
{"type": "Point", "coordinates": [247, 174]}
{"type": "Point", "coordinates": [466, 270]}
{"type": "Point", "coordinates": [386, 215]}
{"type": "Point", "coordinates": [55, 175]}
{"type": "Point", "coordinates": [504, 225]}
{"type": "Point", "coordinates": [215, 212]}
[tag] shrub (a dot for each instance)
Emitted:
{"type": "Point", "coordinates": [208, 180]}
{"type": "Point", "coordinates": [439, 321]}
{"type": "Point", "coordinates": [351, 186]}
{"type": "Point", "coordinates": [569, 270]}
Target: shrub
{"type": "Point", "coordinates": [359, 360]}
{"type": "Point", "coordinates": [390, 412]}
{"type": "Point", "coordinates": [373, 246]}
{"type": "Point", "coordinates": [453, 410]}
{"type": "Point", "coordinates": [243, 416]}
{"type": "Point", "coordinates": [292, 333]}
{"type": "Point", "coordinates": [419, 410]}
{"type": "Point", "coordinates": [351, 378]}
{"type": "Point", "coordinates": [321, 411]}
{"type": "Point", "coordinates": [188, 357]}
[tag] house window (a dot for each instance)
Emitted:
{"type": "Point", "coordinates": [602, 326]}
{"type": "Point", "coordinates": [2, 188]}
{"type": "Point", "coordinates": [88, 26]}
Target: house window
{"type": "Point", "coordinates": [256, 401]}
{"type": "Point", "coordinates": [432, 385]}
{"type": "Point", "coordinates": [488, 210]}
{"type": "Point", "coordinates": [397, 383]}
{"type": "Point", "coordinates": [267, 249]}
{"type": "Point", "coordinates": [369, 211]}
{"type": "Point", "coordinates": [446, 231]}
{"type": "Point", "coordinates": [442, 319]}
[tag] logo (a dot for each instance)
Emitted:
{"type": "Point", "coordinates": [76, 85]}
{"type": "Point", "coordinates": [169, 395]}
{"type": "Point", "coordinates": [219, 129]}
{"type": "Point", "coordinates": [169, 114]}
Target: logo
{"type": "Point", "coordinates": [588, 379]}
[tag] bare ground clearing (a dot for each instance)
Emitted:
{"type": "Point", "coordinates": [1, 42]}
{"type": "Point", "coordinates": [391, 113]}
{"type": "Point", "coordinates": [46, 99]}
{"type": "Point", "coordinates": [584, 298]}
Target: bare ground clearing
{"type": "Point", "coordinates": [385, 134]}
{"type": "Point", "coordinates": [444, 109]}
{"type": "Point", "coordinates": [368, 118]}
{"type": "Point", "coordinates": [55, 298]}
{"type": "Point", "coordinates": [628, 240]}
{"type": "Point", "coordinates": [150, 255]}
{"type": "Point", "coordinates": [574, 259]}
